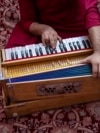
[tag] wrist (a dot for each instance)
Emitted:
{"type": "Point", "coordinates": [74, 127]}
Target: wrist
{"type": "Point", "coordinates": [96, 52]}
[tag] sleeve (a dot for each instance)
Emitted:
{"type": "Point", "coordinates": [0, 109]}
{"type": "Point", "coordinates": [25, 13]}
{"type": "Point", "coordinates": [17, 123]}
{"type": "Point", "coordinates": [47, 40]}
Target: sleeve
{"type": "Point", "coordinates": [92, 17]}
{"type": "Point", "coordinates": [27, 12]}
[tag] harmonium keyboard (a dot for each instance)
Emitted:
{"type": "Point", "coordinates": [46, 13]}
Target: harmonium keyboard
{"type": "Point", "coordinates": [36, 78]}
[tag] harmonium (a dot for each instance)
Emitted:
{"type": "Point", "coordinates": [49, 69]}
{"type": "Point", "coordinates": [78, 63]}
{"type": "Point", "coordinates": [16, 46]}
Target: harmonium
{"type": "Point", "coordinates": [37, 78]}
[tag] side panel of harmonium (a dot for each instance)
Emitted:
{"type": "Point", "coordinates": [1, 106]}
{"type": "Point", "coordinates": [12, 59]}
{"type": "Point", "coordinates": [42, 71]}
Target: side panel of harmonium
{"type": "Point", "coordinates": [51, 88]}
{"type": "Point", "coordinates": [25, 98]}
{"type": "Point", "coordinates": [24, 108]}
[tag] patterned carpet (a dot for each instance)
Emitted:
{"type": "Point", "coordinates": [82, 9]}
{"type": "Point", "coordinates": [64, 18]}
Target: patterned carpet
{"type": "Point", "coordinates": [83, 118]}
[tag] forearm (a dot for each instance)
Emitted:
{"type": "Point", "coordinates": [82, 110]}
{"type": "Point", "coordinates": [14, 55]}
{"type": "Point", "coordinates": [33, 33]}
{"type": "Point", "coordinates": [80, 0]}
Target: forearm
{"type": "Point", "coordinates": [37, 29]}
{"type": "Point", "coordinates": [94, 34]}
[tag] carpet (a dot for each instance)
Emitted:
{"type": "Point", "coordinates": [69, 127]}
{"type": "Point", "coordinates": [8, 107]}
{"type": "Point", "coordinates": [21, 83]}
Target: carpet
{"type": "Point", "coordinates": [82, 118]}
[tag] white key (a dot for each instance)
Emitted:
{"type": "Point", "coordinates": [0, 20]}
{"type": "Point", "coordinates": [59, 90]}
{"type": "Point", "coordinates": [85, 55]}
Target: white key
{"type": "Point", "coordinates": [8, 53]}
{"type": "Point", "coordinates": [90, 44]}
{"type": "Point", "coordinates": [43, 48]}
{"type": "Point", "coordinates": [13, 56]}
{"type": "Point", "coordinates": [72, 41]}
{"type": "Point", "coordinates": [18, 49]}
{"type": "Point", "coordinates": [17, 53]}
{"type": "Point", "coordinates": [78, 43]}
{"type": "Point", "coordinates": [83, 38]}
{"type": "Point", "coordinates": [67, 41]}
{"type": "Point", "coordinates": [27, 51]}
{"type": "Point", "coordinates": [80, 40]}
{"type": "Point", "coordinates": [75, 40]}
{"type": "Point", "coordinates": [64, 46]}
{"type": "Point", "coordinates": [81, 44]}
{"type": "Point", "coordinates": [57, 47]}
{"type": "Point", "coordinates": [33, 49]}
{"type": "Point", "coordinates": [37, 50]}
{"type": "Point", "coordinates": [30, 50]}
{"type": "Point", "coordinates": [22, 49]}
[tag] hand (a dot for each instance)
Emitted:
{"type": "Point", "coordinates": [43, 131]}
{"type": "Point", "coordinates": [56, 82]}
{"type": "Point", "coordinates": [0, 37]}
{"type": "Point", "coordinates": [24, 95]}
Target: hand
{"type": "Point", "coordinates": [49, 37]}
{"type": "Point", "coordinates": [94, 59]}
{"type": "Point", "coordinates": [98, 6]}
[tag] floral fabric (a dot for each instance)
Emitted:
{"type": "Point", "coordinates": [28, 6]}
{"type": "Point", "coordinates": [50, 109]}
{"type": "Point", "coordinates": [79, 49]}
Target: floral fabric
{"type": "Point", "coordinates": [9, 16]}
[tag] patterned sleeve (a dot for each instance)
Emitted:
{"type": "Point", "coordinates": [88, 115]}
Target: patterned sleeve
{"type": "Point", "coordinates": [27, 12]}
{"type": "Point", "coordinates": [92, 17]}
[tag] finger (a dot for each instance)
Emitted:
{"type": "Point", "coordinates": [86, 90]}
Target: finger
{"type": "Point", "coordinates": [95, 70]}
{"type": "Point", "coordinates": [45, 39]}
{"type": "Point", "coordinates": [53, 40]}
{"type": "Point", "coordinates": [43, 42]}
{"type": "Point", "coordinates": [84, 61]}
{"type": "Point", "coordinates": [59, 38]}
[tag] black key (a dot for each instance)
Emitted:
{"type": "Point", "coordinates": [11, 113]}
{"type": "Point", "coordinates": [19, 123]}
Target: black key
{"type": "Point", "coordinates": [70, 45]}
{"type": "Point", "coordinates": [47, 50]}
{"type": "Point", "coordinates": [61, 48]}
{"type": "Point", "coordinates": [64, 47]}
{"type": "Point", "coordinates": [16, 54]}
{"type": "Point", "coordinates": [12, 55]}
{"type": "Point", "coordinates": [26, 53]}
{"type": "Point", "coordinates": [84, 43]}
{"type": "Point", "coordinates": [51, 50]}
{"type": "Point", "coordinates": [74, 45]}
{"type": "Point", "coordinates": [30, 52]}
{"type": "Point", "coordinates": [22, 54]}
{"type": "Point", "coordinates": [36, 50]}
{"type": "Point", "coordinates": [78, 44]}
{"type": "Point", "coordinates": [88, 43]}
{"type": "Point", "coordinates": [40, 50]}
{"type": "Point", "coordinates": [55, 50]}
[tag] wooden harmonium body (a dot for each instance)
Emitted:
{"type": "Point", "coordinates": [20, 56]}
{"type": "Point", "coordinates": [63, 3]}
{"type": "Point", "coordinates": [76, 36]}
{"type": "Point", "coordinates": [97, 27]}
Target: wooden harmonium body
{"type": "Point", "coordinates": [36, 78]}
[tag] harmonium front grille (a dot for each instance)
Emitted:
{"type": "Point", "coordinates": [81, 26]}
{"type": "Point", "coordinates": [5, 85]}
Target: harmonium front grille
{"type": "Point", "coordinates": [33, 74]}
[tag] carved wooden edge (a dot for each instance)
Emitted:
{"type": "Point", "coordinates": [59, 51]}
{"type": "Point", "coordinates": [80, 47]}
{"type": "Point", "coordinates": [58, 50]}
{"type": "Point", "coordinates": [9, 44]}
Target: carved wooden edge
{"type": "Point", "coordinates": [5, 92]}
{"type": "Point", "coordinates": [47, 57]}
{"type": "Point", "coordinates": [25, 91]}
{"type": "Point", "coordinates": [3, 55]}
{"type": "Point", "coordinates": [25, 108]}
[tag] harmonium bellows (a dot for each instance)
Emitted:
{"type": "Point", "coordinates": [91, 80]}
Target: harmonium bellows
{"type": "Point", "coordinates": [36, 78]}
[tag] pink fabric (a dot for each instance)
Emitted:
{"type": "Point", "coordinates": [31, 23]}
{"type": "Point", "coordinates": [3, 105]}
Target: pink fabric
{"type": "Point", "coordinates": [71, 14]}
{"type": "Point", "coordinates": [79, 16]}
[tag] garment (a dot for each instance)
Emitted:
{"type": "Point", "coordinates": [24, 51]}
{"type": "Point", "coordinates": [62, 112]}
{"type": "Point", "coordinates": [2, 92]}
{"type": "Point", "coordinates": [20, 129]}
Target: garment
{"type": "Point", "coordinates": [70, 18]}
